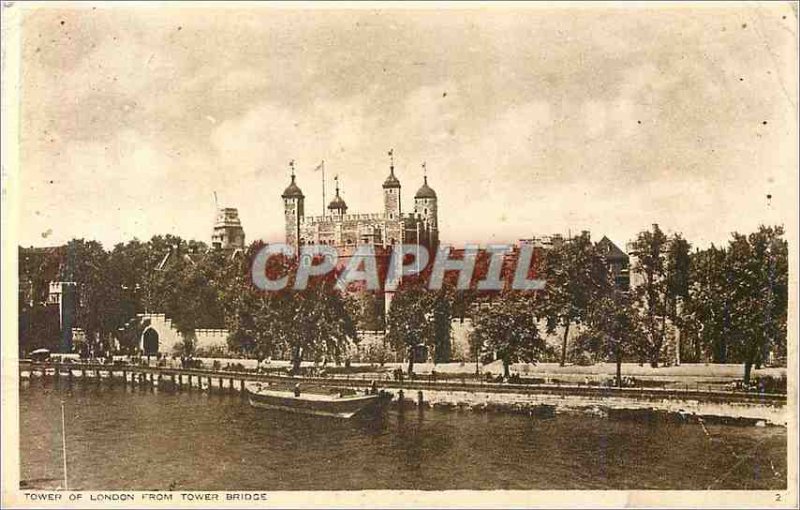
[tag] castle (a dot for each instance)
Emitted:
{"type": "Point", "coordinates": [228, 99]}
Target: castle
{"type": "Point", "coordinates": [346, 231]}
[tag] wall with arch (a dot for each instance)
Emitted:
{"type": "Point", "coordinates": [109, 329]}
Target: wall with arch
{"type": "Point", "coordinates": [169, 339]}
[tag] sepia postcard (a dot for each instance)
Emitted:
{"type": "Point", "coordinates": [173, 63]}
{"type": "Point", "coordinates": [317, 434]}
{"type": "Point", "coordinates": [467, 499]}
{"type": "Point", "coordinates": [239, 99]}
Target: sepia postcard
{"type": "Point", "coordinates": [399, 255]}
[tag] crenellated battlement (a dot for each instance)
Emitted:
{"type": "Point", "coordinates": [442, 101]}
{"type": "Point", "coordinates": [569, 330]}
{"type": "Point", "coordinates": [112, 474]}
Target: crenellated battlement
{"type": "Point", "coordinates": [311, 220]}
{"type": "Point", "coordinates": [315, 220]}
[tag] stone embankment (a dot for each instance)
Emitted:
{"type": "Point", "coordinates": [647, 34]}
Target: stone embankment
{"type": "Point", "coordinates": [539, 400]}
{"type": "Point", "coordinates": [671, 408]}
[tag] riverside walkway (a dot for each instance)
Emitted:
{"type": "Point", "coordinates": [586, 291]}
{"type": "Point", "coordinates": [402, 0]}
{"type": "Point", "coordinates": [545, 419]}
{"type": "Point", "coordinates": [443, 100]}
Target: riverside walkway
{"type": "Point", "coordinates": [181, 379]}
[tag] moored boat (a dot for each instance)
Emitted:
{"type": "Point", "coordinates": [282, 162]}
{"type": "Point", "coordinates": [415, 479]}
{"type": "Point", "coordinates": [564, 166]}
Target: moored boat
{"type": "Point", "coordinates": [339, 406]}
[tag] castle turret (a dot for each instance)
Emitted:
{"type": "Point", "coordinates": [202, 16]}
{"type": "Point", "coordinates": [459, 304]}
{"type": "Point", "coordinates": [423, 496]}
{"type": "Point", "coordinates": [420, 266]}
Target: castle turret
{"type": "Point", "coordinates": [293, 208]}
{"type": "Point", "coordinates": [425, 207]}
{"type": "Point", "coordinates": [228, 232]}
{"type": "Point", "coordinates": [391, 192]}
{"type": "Point", "coordinates": [337, 207]}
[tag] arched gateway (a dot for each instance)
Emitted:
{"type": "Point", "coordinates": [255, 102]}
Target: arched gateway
{"type": "Point", "coordinates": [150, 342]}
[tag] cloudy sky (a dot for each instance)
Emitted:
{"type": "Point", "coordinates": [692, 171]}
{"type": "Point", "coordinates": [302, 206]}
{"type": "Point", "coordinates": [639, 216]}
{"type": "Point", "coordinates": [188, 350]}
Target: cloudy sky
{"type": "Point", "coordinates": [532, 121]}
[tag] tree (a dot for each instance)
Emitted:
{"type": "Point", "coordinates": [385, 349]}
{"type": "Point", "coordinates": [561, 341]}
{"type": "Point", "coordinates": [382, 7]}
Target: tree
{"type": "Point", "coordinates": [39, 328]}
{"type": "Point", "coordinates": [508, 327]}
{"type": "Point", "coordinates": [320, 321]}
{"type": "Point", "coordinates": [677, 278]}
{"type": "Point", "coordinates": [576, 273]}
{"type": "Point", "coordinates": [408, 323]}
{"type": "Point", "coordinates": [99, 313]}
{"type": "Point", "coordinates": [313, 322]}
{"type": "Point", "coordinates": [650, 248]}
{"type": "Point", "coordinates": [256, 320]}
{"type": "Point", "coordinates": [199, 286]}
{"type": "Point", "coordinates": [128, 266]}
{"type": "Point", "coordinates": [759, 264]}
{"type": "Point", "coordinates": [166, 260]}
{"type": "Point", "coordinates": [614, 329]}
{"type": "Point", "coordinates": [39, 322]}
{"type": "Point", "coordinates": [441, 314]}
{"type": "Point", "coordinates": [707, 317]}
{"type": "Point", "coordinates": [370, 310]}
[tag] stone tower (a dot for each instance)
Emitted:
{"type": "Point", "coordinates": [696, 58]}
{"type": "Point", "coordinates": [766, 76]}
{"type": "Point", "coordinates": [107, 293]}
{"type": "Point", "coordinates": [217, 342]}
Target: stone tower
{"type": "Point", "coordinates": [391, 192]}
{"type": "Point", "coordinates": [425, 207]}
{"type": "Point", "coordinates": [293, 208]}
{"type": "Point", "coordinates": [228, 232]}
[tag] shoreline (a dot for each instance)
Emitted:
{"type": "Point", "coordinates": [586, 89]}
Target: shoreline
{"type": "Point", "coordinates": [673, 410]}
{"type": "Point", "coordinates": [643, 405]}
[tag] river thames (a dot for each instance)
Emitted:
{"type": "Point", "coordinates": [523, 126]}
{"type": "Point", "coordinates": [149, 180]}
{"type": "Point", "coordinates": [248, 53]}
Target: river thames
{"type": "Point", "coordinates": [133, 439]}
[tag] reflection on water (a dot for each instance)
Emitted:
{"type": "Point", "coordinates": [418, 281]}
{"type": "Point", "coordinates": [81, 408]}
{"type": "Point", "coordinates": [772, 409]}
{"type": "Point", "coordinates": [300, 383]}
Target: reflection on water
{"type": "Point", "coordinates": [122, 438]}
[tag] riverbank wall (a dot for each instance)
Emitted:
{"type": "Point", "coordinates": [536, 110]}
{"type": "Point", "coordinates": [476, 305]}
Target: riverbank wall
{"type": "Point", "coordinates": [688, 410]}
{"type": "Point", "coordinates": [540, 400]}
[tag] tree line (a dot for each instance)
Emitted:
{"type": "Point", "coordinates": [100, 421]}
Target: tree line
{"type": "Point", "coordinates": [724, 304]}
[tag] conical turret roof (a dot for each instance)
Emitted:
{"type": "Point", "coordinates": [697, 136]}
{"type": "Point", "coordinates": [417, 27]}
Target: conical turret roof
{"type": "Point", "coordinates": [425, 191]}
{"type": "Point", "coordinates": [292, 191]}
{"type": "Point", "coordinates": [391, 181]}
{"type": "Point", "coordinates": [337, 202]}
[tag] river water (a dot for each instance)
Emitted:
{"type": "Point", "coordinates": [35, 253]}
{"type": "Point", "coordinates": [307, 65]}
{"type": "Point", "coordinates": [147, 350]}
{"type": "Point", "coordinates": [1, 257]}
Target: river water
{"type": "Point", "coordinates": [134, 439]}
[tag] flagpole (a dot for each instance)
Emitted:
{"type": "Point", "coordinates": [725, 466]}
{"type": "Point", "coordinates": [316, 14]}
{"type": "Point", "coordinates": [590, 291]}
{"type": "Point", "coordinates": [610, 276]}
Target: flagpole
{"type": "Point", "coordinates": [323, 188]}
{"type": "Point", "coordinates": [64, 445]}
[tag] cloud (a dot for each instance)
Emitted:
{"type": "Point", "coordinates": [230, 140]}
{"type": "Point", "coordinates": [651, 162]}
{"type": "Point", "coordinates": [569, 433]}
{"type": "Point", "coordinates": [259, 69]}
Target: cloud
{"type": "Point", "coordinates": [531, 121]}
{"type": "Point", "coordinates": [114, 191]}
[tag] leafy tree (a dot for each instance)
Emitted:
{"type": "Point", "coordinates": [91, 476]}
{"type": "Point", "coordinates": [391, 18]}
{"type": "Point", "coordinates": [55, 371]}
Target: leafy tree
{"type": "Point", "coordinates": [508, 327]}
{"type": "Point", "coordinates": [322, 322]}
{"type": "Point", "coordinates": [99, 313]}
{"type": "Point", "coordinates": [314, 322]}
{"type": "Point", "coordinates": [409, 320]}
{"type": "Point", "coordinates": [39, 328]}
{"type": "Point", "coordinates": [166, 260]}
{"type": "Point", "coordinates": [759, 263]}
{"type": "Point", "coordinates": [737, 303]}
{"type": "Point", "coordinates": [707, 317]}
{"type": "Point", "coordinates": [650, 248]}
{"type": "Point", "coordinates": [576, 274]}
{"type": "Point", "coordinates": [255, 320]}
{"type": "Point", "coordinates": [441, 305]}
{"type": "Point", "coordinates": [37, 268]}
{"type": "Point", "coordinates": [199, 286]}
{"type": "Point", "coordinates": [677, 280]}
{"type": "Point", "coordinates": [370, 310]}
{"type": "Point", "coordinates": [128, 267]}
{"type": "Point", "coordinates": [377, 353]}
{"type": "Point", "coordinates": [39, 324]}
{"type": "Point", "coordinates": [615, 329]}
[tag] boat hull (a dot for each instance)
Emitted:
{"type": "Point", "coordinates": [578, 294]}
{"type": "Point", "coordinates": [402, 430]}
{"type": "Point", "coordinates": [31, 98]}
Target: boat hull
{"type": "Point", "coordinates": [317, 405]}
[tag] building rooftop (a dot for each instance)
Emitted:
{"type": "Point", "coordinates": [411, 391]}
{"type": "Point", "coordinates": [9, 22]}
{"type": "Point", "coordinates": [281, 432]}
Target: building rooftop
{"type": "Point", "coordinates": [293, 190]}
{"type": "Point", "coordinates": [391, 181]}
{"type": "Point", "coordinates": [610, 250]}
{"type": "Point", "coordinates": [425, 191]}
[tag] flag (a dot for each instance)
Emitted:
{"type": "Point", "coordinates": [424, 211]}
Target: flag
{"type": "Point", "coordinates": [320, 166]}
